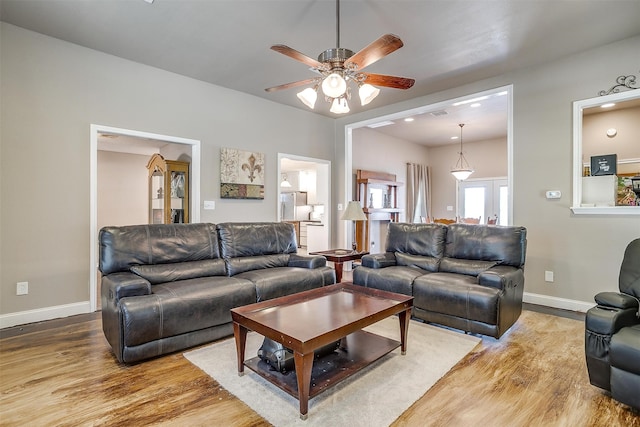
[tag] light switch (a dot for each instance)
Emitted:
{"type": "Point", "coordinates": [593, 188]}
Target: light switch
{"type": "Point", "coordinates": [209, 204]}
{"type": "Point", "coordinates": [554, 194]}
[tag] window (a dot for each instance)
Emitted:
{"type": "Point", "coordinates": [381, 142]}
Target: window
{"type": "Point", "coordinates": [484, 199]}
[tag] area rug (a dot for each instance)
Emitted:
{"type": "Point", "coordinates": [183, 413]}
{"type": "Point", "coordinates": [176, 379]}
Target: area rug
{"type": "Point", "coordinates": [375, 396]}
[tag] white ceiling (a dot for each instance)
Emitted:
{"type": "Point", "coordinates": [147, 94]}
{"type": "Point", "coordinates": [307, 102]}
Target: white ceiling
{"type": "Point", "coordinates": [447, 43]}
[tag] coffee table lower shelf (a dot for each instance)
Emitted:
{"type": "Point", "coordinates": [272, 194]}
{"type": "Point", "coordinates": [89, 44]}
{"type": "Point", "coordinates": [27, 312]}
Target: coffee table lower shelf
{"type": "Point", "coordinates": [356, 352]}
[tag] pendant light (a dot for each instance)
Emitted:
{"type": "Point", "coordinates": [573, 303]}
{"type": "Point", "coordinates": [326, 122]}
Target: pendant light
{"type": "Point", "coordinates": [462, 170]}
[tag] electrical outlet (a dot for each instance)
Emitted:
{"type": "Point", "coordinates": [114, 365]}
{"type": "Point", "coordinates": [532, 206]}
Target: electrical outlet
{"type": "Point", "coordinates": [22, 288]}
{"type": "Point", "coordinates": [548, 276]}
{"type": "Point", "coordinates": [339, 206]}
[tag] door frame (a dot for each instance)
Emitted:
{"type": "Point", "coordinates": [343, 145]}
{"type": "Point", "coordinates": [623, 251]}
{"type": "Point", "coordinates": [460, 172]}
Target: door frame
{"type": "Point", "coordinates": [95, 130]}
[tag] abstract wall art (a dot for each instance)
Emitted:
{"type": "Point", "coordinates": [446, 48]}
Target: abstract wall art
{"type": "Point", "coordinates": [241, 174]}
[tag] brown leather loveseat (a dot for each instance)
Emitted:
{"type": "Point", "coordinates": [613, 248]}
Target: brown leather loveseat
{"type": "Point", "coordinates": [169, 287]}
{"type": "Point", "coordinates": [466, 276]}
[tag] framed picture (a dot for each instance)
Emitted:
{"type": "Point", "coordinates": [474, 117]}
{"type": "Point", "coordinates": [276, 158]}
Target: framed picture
{"type": "Point", "coordinates": [605, 164]}
{"type": "Point", "coordinates": [241, 174]}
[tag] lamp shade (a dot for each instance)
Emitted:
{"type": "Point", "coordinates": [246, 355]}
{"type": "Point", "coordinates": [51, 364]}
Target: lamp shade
{"type": "Point", "coordinates": [367, 93]}
{"type": "Point", "coordinates": [334, 85]}
{"type": "Point", "coordinates": [339, 106]}
{"type": "Point", "coordinates": [354, 212]}
{"type": "Point", "coordinates": [308, 97]}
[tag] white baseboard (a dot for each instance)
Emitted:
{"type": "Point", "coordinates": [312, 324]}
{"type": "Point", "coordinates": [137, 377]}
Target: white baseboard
{"type": "Point", "coordinates": [41, 314]}
{"type": "Point", "coordinates": [555, 302]}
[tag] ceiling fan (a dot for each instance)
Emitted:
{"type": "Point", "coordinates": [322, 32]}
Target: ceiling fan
{"type": "Point", "coordinates": [339, 66]}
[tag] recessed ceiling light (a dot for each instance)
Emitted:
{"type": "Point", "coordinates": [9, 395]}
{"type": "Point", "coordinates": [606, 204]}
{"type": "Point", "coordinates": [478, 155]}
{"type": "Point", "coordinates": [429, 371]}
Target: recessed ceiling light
{"type": "Point", "coordinates": [454, 137]}
{"type": "Point", "coordinates": [476, 105]}
{"type": "Point", "coordinates": [409, 119]}
{"type": "Point", "coordinates": [470, 101]}
{"type": "Point", "coordinates": [609, 105]}
{"type": "Point", "coordinates": [380, 124]}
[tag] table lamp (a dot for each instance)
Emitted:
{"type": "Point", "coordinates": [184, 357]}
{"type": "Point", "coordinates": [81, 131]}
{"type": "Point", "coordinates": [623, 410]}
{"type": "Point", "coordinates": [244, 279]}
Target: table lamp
{"type": "Point", "coordinates": [354, 213]}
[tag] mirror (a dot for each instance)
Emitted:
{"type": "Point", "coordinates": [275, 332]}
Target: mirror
{"type": "Point", "coordinates": [606, 154]}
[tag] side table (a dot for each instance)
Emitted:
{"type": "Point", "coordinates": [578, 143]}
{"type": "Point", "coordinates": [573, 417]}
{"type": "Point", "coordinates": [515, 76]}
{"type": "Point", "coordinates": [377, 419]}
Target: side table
{"type": "Point", "coordinates": [338, 257]}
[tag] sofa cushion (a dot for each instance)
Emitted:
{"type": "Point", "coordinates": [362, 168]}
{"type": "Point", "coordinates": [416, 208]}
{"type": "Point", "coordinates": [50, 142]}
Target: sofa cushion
{"type": "Point", "coordinates": [416, 239]}
{"type": "Point", "coordinates": [279, 281]}
{"type": "Point", "coordinates": [393, 279]}
{"type": "Point", "coordinates": [176, 308]}
{"type": "Point", "coordinates": [256, 239]}
{"type": "Point", "coordinates": [162, 273]}
{"type": "Point", "coordinates": [423, 262]}
{"type": "Point", "coordinates": [470, 267]}
{"type": "Point", "coordinates": [123, 247]}
{"type": "Point", "coordinates": [507, 245]}
{"type": "Point", "coordinates": [249, 263]}
{"type": "Point", "coordinates": [457, 295]}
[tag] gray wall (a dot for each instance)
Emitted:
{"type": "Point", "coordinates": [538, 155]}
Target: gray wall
{"type": "Point", "coordinates": [51, 92]}
{"type": "Point", "coordinates": [583, 251]}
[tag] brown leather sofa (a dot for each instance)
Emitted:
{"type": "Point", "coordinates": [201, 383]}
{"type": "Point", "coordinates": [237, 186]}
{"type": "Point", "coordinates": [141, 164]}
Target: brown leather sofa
{"type": "Point", "coordinates": [169, 287]}
{"type": "Point", "coordinates": [465, 276]}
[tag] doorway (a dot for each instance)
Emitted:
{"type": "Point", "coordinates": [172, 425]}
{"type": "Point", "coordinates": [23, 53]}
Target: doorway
{"type": "Point", "coordinates": [304, 199]}
{"type": "Point", "coordinates": [444, 184]}
{"type": "Point", "coordinates": [141, 137]}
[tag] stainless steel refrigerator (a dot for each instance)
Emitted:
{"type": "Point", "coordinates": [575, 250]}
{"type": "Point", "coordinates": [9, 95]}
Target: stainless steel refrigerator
{"type": "Point", "coordinates": [294, 206]}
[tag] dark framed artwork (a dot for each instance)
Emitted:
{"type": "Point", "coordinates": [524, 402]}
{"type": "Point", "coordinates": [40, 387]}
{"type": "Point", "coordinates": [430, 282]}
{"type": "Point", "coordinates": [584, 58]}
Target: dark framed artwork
{"type": "Point", "coordinates": [605, 164]}
{"type": "Point", "coordinates": [241, 174]}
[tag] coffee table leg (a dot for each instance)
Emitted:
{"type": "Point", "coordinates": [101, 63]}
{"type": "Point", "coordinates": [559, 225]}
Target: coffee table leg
{"type": "Point", "coordinates": [240, 334]}
{"type": "Point", "coordinates": [404, 317]}
{"type": "Point", "coordinates": [303, 363]}
{"type": "Point", "coordinates": [338, 266]}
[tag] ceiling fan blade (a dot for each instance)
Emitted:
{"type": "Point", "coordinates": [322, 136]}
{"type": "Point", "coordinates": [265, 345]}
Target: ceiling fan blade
{"type": "Point", "coordinates": [388, 81]}
{"type": "Point", "coordinates": [375, 51]}
{"type": "Point", "coordinates": [298, 56]}
{"type": "Point", "coordinates": [292, 84]}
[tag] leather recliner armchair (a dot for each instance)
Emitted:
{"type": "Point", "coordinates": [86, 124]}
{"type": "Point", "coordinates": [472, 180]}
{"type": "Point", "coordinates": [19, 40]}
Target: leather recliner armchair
{"type": "Point", "coordinates": [612, 334]}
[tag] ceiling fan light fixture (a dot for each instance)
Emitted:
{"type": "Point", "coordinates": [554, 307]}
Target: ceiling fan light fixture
{"type": "Point", "coordinates": [367, 93]}
{"type": "Point", "coordinates": [339, 106]}
{"type": "Point", "coordinates": [334, 85]}
{"type": "Point", "coordinates": [308, 97]}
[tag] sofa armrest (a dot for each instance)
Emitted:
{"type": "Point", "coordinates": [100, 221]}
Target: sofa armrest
{"type": "Point", "coordinates": [120, 285]}
{"type": "Point", "coordinates": [386, 259]}
{"type": "Point", "coordinates": [616, 300]}
{"type": "Point", "coordinates": [502, 277]}
{"type": "Point", "coordinates": [316, 261]}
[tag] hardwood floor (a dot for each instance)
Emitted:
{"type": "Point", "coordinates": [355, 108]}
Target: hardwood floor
{"type": "Point", "coordinates": [62, 373]}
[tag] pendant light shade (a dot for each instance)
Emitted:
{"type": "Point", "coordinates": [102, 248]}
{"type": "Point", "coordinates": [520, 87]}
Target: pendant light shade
{"type": "Point", "coordinates": [462, 170]}
{"type": "Point", "coordinates": [285, 183]}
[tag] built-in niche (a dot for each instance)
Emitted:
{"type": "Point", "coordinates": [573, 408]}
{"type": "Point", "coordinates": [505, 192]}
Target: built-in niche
{"type": "Point", "coordinates": [608, 136]}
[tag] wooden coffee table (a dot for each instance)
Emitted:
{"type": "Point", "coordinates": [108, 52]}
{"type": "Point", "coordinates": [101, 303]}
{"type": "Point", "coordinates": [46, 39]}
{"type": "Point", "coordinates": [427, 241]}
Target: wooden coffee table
{"type": "Point", "coordinates": [306, 321]}
{"type": "Point", "coordinates": [339, 257]}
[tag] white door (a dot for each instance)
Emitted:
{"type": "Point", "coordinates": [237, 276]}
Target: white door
{"type": "Point", "coordinates": [484, 199]}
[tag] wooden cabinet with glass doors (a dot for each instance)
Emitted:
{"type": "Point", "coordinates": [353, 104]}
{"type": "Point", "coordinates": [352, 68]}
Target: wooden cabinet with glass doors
{"type": "Point", "coordinates": [168, 191]}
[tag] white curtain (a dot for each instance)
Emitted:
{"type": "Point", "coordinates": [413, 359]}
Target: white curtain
{"type": "Point", "coordinates": [418, 193]}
